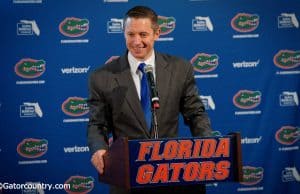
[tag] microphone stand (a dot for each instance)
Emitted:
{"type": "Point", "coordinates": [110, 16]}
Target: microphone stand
{"type": "Point", "coordinates": [154, 98]}
{"type": "Point", "coordinates": [155, 106]}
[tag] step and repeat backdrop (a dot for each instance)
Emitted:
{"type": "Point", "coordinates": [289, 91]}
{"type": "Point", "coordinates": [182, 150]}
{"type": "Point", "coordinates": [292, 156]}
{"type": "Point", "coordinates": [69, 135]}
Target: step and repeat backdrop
{"type": "Point", "coordinates": [246, 56]}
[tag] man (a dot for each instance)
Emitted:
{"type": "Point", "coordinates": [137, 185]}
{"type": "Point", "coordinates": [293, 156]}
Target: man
{"type": "Point", "coordinates": [114, 100]}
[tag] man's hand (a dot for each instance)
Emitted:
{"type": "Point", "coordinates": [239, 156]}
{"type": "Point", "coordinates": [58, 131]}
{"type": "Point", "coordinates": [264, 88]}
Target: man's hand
{"type": "Point", "coordinates": [97, 160]}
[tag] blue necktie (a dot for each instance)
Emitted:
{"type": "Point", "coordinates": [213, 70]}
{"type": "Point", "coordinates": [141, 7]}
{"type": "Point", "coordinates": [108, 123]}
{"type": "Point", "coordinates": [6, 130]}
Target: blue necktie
{"type": "Point", "coordinates": [145, 97]}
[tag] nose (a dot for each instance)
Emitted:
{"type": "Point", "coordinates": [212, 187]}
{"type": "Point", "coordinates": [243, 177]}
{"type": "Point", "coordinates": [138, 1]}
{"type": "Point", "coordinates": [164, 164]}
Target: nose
{"type": "Point", "coordinates": [136, 40]}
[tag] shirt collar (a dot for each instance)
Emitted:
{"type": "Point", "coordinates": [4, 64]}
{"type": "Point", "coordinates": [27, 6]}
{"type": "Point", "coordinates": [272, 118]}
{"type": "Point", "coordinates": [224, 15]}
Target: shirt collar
{"type": "Point", "coordinates": [134, 63]}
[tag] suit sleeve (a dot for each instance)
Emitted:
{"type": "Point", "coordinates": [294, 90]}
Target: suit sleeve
{"type": "Point", "coordinates": [192, 107]}
{"type": "Point", "coordinates": [98, 126]}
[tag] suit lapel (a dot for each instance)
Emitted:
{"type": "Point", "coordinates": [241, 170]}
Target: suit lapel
{"type": "Point", "coordinates": [163, 78]}
{"type": "Point", "coordinates": [124, 78]}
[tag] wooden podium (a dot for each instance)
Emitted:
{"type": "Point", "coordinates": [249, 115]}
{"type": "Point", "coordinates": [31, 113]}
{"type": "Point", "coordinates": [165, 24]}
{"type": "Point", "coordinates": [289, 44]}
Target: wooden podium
{"type": "Point", "coordinates": [177, 161]}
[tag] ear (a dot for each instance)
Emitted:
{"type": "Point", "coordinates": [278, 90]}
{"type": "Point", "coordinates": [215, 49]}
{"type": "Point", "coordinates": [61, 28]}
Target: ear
{"type": "Point", "coordinates": [156, 34]}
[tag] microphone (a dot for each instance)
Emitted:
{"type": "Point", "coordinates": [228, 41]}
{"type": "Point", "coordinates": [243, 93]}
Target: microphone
{"type": "Point", "coordinates": [154, 98]}
{"type": "Point", "coordinates": [151, 83]}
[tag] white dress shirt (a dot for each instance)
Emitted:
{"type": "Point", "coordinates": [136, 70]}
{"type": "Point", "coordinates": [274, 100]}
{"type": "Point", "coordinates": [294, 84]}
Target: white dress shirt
{"type": "Point", "coordinates": [137, 74]}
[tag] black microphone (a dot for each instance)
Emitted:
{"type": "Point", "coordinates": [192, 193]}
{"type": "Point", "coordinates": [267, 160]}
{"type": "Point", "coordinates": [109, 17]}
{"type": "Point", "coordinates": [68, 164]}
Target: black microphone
{"type": "Point", "coordinates": [151, 82]}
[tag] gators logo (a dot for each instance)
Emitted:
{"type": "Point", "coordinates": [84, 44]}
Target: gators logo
{"type": "Point", "coordinates": [287, 59]}
{"type": "Point", "coordinates": [30, 68]}
{"type": "Point", "coordinates": [204, 63]}
{"type": "Point", "coordinates": [216, 133]}
{"type": "Point", "coordinates": [246, 99]}
{"type": "Point", "coordinates": [80, 184]}
{"type": "Point", "coordinates": [75, 106]}
{"type": "Point", "coordinates": [288, 135]}
{"type": "Point", "coordinates": [166, 24]}
{"type": "Point", "coordinates": [32, 148]}
{"type": "Point", "coordinates": [252, 175]}
{"type": "Point", "coordinates": [74, 27]}
{"type": "Point", "coordinates": [244, 22]}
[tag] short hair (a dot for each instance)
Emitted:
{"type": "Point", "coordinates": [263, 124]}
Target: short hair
{"type": "Point", "coordinates": [142, 12]}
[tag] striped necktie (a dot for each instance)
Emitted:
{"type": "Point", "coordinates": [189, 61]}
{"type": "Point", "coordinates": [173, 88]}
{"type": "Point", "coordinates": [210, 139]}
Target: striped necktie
{"type": "Point", "coordinates": [145, 97]}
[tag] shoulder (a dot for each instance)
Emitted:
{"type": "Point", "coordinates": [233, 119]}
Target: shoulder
{"type": "Point", "coordinates": [168, 58]}
{"type": "Point", "coordinates": [174, 62]}
{"type": "Point", "coordinates": [111, 67]}
{"type": "Point", "coordinates": [102, 75]}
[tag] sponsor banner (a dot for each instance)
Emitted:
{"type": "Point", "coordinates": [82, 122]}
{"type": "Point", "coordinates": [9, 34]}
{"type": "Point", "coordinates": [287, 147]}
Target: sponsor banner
{"type": "Point", "coordinates": [76, 149]}
{"type": "Point", "coordinates": [80, 184]}
{"type": "Point", "coordinates": [115, 25]}
{"type": "Point", "coordinates": [216, 133]}
{"type": "Point", "coordinates": [251, 140]}
{"type": "Point", "coordinates": [167, 25]}
{"type": "Point", "coordinates": [290, 174]}
{"type": "Point", "coordinates": [288, 98]}
{"type": "Point", "coordinates": [74, 28]}
{"type": "Point", "coordinates": [30, 109]}
{"type": "Point", "coordinates": [246, 64]}
{"type": "Point", "coordinates": [75, 107]}
{"type": "Point", "coordinates": [202, 23]}
{"type": "Point", "coordinates": [288, 136]}
{"type": "Point", "coordinates": [247, 99]}
{"type": "Point", "coordinates": [208, 102]}
{"type": "Point", "coordinates": [27, 27]}
{"type": "Point", "coordinates": [252, 176]}
{"type": "Point", "coordinates": [288, 20]}
{"type": "Point", "coordinates": [28, 68]}
{"type": "Point", "coordinates": [287, 61]}
{"type": "Point", "coordinates": [245, 24]}
{"type": "Point", "coordinates": [204, 64]}
{"type": "Point", "coordinates": [250, 57]}
{"type": "Point", "coordinates": [75, 70]}
{"type": "Point", "coordinates": [32, 148]}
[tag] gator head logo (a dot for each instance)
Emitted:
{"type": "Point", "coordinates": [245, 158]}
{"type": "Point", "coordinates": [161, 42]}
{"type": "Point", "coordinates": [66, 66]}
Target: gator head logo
{"type": "Point", "coordinates": [252, 175]}
{"type": "Point", "coordinates": [287, 59]}
{"type": "Point", "coordinates": [111, 59]}
{"type": "Point", "coordinates": [74, 27]}
{"type": "Point", "coordinates": [30, 68]}
{"type": "Point", "coordinates": [166, 24]}
{"type": "Point", "coordinates": [204, 63]}
{"type": "Point", "coordinates": [75, 106]}
{"type": "Point", "coordinates": [288, 135]}
{"type": "Point", "coordinates": [244, 22]}
{"type": "Point", "coordinates": [79, 184]}
{"type": "Point", "coordinates": [216, 133]}
{"type": "Point", "coordinates": [246, 99]}
{"type": "Point", "coordinates": [32, 148]}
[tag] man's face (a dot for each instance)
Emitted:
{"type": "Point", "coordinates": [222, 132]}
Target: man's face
{"type": "Point", "coordinates": [140, 37]}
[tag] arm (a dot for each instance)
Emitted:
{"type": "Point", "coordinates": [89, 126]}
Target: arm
{"type": "Point", "coordinates": [98, 126]}
{"type": "Point", "coordinates": [192, 107]}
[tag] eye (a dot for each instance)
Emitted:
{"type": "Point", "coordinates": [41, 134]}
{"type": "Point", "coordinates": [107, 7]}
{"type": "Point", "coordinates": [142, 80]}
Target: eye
{"type": "Point", "coordinates": [144, 34]}
{"type": "Point", "coordinates": [130, 34]}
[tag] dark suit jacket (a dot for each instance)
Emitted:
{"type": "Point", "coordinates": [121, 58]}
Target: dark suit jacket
{"type": "Point", "coordinates": [115, 106]}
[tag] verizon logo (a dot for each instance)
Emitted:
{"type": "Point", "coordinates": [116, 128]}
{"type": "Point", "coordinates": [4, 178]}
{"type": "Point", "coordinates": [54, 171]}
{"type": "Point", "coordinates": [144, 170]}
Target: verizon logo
{"type": "Point", "coordinates": [76, 149]}
{"type": "Point", "coordinates": [75, 70]}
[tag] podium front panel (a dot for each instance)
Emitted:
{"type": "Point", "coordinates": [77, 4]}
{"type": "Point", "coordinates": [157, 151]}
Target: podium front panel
{"type": "Point", "coordinates": [184, 161]}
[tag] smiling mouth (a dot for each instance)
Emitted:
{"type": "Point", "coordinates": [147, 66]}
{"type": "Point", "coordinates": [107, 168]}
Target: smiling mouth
{"type": "Point", "coordinates": [138, 49]}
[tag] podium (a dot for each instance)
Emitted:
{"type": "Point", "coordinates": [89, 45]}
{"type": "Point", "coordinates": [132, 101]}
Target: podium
{"type": "Point", "coordinates": [174, 161]}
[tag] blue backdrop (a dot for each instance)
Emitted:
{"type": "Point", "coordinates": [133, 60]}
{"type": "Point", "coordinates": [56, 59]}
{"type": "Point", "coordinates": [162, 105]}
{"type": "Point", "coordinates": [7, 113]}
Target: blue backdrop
{"type": "Point", "coordinates": [247, 65]}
